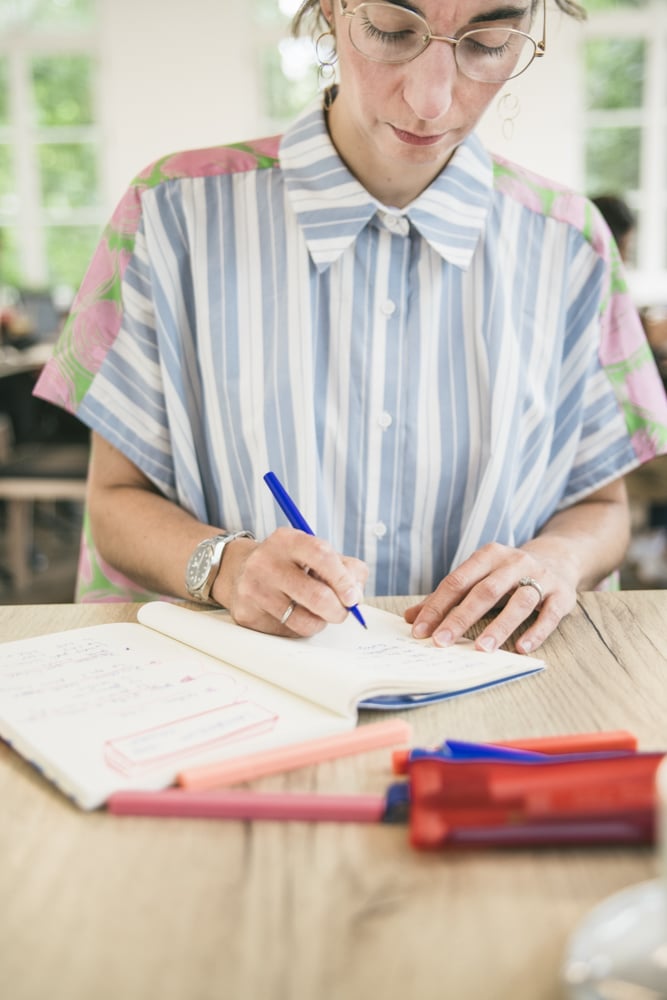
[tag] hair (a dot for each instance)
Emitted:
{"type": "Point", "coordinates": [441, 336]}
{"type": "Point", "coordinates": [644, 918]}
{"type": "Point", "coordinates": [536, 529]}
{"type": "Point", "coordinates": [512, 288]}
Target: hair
{"type": "Point", "coordinates": [309, 16]}
{"type": "Point", "coordinates": [617, 214]}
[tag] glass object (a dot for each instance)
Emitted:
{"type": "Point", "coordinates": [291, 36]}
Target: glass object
{"type": "Point", "coordinates": [8, 199]}
{"type": "Point", "coordinates": [60, 13]}
{"type": "Point", "coordinates": [614, 70]}
{"type": "Point", "coordinates": [63, 90]}
{"type": "Point", "coordinates": [68, 173]}
{"type": "Point", "coordinates": [613, 159]}
{"type": "Point", "coordinates": [40, 14]}
{"type": "Point", "coordinates": [386, 33]}
{"type": "Point", "coordinates": [10, 272]}
{"type": "Point", "coordinates": [289, 78]}
{"type": "Point", "coordinates": [69, 251]}
{"type": "Point", "coordinates": [609, 5]}
{"type": "Point", "coordinates": [275, 11]}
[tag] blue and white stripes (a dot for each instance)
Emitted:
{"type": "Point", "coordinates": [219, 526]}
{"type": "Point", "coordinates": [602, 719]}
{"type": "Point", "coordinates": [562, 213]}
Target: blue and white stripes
{"type": "Point", "coordinates": [421, 381]}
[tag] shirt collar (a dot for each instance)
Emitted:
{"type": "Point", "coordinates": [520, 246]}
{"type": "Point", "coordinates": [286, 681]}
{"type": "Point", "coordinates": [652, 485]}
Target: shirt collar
{"type": "Point", "coordinates": [332, 207]}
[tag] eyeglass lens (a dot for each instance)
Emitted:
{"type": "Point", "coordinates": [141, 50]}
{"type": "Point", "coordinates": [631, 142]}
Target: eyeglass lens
{"type": "Point", "coordinates": [387, 33]}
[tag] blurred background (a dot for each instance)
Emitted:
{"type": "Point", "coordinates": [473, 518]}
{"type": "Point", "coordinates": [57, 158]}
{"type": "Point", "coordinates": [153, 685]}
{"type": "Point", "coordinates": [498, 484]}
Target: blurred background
{"type": "Point", "coordinates": [93, 90]}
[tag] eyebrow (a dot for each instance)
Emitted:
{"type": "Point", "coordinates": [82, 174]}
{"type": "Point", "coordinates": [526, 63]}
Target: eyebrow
{"type": "Point", "coordinates": [499, 14]}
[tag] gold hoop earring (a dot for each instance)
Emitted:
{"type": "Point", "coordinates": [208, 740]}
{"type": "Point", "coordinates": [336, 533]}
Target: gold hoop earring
{"type": "Point", "coordinates": [509, 108]}
{"type": "Point", "coordinates": [327, 57]}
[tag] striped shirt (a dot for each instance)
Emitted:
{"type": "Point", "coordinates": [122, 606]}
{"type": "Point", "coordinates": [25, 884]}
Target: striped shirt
{"type": "Point", "coordinates": [422, 380]}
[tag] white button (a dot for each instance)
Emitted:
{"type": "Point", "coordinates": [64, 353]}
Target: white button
{"type": "Point", "coordinates": [396, 223]}
{"type": "Point", "coordinates": [385, 420]}
{"type": "Point", "coordinates": [380, 530]}
{"type": "Point", "coordinates": [388, 308]}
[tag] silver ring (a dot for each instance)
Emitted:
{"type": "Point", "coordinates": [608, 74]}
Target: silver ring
{"type": "Point", "coordinates": [288, 611]}
{"type": "Point", "coordinates": [528, 581]}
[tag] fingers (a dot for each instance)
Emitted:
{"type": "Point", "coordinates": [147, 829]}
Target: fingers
{"type": "Point", "coordinates": [518, 609]}
{"type": "Point", "coordinates": [295, 584]}
{"type": "Point", "coordinates": [501, 578]}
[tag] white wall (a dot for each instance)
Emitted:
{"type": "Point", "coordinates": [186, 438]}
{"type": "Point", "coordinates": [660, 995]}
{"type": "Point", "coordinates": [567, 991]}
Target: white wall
{"type": "Point", "coordinates": [174, 76]}
{"type": "Point", "coordinates": [547, 130]}
{"type": "Point", "coordinates": [183, 75]}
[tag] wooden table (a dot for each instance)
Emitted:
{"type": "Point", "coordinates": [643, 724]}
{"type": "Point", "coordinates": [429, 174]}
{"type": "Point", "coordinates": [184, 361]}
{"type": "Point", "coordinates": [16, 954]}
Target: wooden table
{"type": "Point", "coordinates": [95, 907]}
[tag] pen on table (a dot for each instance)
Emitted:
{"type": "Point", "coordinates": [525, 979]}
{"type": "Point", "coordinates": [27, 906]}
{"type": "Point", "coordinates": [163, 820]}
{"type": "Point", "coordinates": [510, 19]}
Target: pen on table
{"type": "Point", "coordinates": [256, 765]}
{"type": "Point", "coordinates": [241, 804]}
{"type": "Point", "coordinates": [429, 827]}
{"type": "Point", "coordinates": [297, 520]}
{"type": "Point", "coordinates": [577, 743]}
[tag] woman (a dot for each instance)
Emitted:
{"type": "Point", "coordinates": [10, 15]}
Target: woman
{"type": "Point", "coordinates": [432, 349]}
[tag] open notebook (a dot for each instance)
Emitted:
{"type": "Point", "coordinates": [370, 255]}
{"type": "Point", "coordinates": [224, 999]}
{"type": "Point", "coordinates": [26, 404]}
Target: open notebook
{"type": "Point", "coordinates": [118, 706]}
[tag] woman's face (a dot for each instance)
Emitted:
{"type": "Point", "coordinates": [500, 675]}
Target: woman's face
{"type": "Point", "coordinates": [396, 125]}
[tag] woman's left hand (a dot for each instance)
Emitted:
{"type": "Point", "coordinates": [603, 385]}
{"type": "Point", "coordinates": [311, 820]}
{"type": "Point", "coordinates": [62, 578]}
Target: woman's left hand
{"type": "Point", "coordinates": [579, 546]}
{"type": "Point", "coordinates": [518, 579]}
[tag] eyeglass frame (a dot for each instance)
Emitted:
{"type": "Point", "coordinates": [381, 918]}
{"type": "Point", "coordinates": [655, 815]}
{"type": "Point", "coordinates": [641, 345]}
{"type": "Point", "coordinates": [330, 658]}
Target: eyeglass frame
{"type": "Point", "coordinates": [540, 46]}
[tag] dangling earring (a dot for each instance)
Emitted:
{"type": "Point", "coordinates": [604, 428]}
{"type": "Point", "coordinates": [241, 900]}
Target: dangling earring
{"type": "Point", "coordinates": [509, 108]}
{"type": "Point", "coordinates": [327, 57]}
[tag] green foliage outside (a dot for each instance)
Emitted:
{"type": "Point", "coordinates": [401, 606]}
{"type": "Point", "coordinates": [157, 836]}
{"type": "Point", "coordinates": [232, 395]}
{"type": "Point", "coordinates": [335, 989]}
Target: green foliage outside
{"type": "Point", "coordinates": [599, 5]}
{"type": "Point", "coordinates": [62, 89]}
{"type": "Point", "coordinates": [61, 130]}
{"type": "Point", "coordinates": [69, 251]}
{"type": "Point", "coordinates": [285, 98]}
{"type": "Point", "coordinates": [612, 160]}
{"type": "Point", "coordinates": [68, 174]}
{"type": "Point", "coordinates": [7, 185]}
{"type": "Point", "coordinates": [614, 82]}
{"type": "Point", "coordinates": [47, 14]}
{"type": "Point", "coordinates": [615, 73]}
{"type": "Point", "coordinates": [9, 271]}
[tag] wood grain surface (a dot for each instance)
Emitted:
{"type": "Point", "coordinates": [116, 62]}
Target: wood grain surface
{"type": "Point", "coordinates": [96, 907]}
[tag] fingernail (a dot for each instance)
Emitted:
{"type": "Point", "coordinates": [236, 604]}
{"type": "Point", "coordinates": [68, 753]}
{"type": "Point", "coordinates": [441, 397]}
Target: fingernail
{"type": "Point", "coordinates": [487, 643]}
{"type": "Point", "coordinates": [420, 631]}
{"type": "Point", "coordinates": [353, 596]}
{"type": "Point", "coordinates": [525, 645]}
{"type": "Point", "coordinates": [443, 638]}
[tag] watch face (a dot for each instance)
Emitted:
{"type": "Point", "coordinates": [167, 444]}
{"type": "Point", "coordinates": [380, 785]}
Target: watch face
{"type": "Point", "coordinates": [199, 566]}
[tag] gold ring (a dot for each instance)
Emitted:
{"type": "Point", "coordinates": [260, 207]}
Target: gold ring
{"type": "Point", "coordinates": [288, 611]}
{"type": "Point", "coordinates": [528, 581]}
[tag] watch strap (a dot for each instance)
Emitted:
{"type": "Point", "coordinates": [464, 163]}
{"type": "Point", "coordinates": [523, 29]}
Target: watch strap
{"type": "Point", "coordinates": [219, 544]}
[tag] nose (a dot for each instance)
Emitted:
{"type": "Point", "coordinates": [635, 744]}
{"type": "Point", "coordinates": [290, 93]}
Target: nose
{"type": "Point", "coordinates": [430, 81]}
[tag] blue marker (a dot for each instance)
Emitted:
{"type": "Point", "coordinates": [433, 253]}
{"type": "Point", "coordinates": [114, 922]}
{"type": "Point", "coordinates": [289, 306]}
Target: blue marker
{"type": "Point", "coordinates": [463, 750]}
{"type": "Point", "coordinates": [297, 520]}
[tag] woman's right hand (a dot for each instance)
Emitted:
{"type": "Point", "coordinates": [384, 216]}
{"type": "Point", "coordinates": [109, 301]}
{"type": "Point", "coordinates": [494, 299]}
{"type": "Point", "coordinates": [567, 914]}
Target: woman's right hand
{"type": "Point", "coordinates": [260, 581]}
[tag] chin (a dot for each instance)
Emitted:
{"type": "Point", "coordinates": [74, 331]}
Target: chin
{"type": "Point", "coordinates": [437, 155]}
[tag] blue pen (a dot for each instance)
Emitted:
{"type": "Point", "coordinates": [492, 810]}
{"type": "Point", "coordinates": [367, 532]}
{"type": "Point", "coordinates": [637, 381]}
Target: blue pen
{"type": "Point", "coordinates": [461, 750]}
{"type": "Point", "coordinates": [297, 520]}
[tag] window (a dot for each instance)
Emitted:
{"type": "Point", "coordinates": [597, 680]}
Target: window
{"type": "Point", "coordinates": [288, 66]}
{"type": "Point", "coordinates": [625, 72]}
{"type": "Point", "coordinates": [50, 211]}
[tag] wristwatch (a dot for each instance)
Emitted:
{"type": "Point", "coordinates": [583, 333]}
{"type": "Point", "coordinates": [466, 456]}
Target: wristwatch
{"type": "Point", "coordinates": [204, 564]}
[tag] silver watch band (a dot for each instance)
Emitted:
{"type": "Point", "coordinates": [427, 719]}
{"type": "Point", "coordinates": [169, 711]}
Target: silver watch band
{"type": "Point", "coordinates": [220, 543]}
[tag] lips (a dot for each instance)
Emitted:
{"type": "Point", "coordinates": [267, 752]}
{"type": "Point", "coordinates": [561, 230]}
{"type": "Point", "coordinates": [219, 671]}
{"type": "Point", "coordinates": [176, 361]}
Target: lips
{"type": "Point", "coordinates": [414, 139]}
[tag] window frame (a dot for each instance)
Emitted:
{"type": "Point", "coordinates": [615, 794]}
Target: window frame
{"type": "Point", "coordinates": [18, 46]}
{"type": "Point", "coordinates": [649, 24]}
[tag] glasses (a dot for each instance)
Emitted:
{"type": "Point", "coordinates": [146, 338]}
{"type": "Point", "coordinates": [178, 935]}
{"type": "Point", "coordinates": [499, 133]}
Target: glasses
{"type": "Point", "coordinates": [388, 33]}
